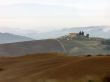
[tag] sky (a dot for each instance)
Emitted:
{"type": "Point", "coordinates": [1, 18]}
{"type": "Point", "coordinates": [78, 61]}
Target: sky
{"type": "Point", "coordinates": [46, 15]}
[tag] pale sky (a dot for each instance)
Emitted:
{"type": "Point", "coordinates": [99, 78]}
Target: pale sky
{"type": "Point", "coordinates": [47, 15]}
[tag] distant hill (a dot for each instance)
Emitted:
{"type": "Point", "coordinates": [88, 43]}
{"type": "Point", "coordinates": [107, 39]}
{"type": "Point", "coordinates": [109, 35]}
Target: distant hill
{"type": "Point", "coordinates": [10, 38]}
{"type": "Point", "coordinates": [76, 46]}
{"type": "Point", "coordinates": [83, 46]}
{"type": "Point", "coordinates": [30, 47]}
{"type": "Point", "coordinates": [95, 31]}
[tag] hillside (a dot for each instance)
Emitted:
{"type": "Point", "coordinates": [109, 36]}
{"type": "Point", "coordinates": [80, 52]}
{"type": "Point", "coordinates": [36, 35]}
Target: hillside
{"type": "Point", "coordinates": [30, 47]}
{"type": "Point", "coordinates": [94, 31]}
{"type": "Point", "coordinates": [76, 46]}
{"type": "Point", "coordinates": [10, 38]}
{"type": "Point", "coordinates": [83, 46]}
{"type": "Point", "coordinates": [54, 67]}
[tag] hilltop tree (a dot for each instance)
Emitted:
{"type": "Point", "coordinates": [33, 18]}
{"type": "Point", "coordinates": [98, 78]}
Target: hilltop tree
{"type": "Point", "coordinates": [82, 33]}
{"type": "Point", "coordinates": [87, 35]}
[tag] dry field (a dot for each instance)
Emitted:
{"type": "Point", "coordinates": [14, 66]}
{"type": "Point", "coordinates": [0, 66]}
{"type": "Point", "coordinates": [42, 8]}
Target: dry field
{"type": "Point", "coordinates": [54, 67]}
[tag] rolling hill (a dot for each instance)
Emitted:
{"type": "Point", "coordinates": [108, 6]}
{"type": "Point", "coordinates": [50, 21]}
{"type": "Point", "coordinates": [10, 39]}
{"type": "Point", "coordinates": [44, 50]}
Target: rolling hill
{"type": "Point", "coordinates": [30, 47]}
{"type": "Point", "coordinates": [94, 31]}
{"type": "Point", "coordinates": [84, 46]}
{"type": "Point", "coordinates": [11, 38]}
{"type": "Point", "coordinates": [54, 67]}
{"type": "Point", "coordinates": [77, 46]}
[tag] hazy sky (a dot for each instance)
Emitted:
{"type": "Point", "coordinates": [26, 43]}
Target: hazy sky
{"type": "Point", "coordinates": [53, 14]}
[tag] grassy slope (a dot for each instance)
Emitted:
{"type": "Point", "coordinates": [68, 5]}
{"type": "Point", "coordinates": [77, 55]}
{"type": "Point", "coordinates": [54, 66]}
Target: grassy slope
{"type": "Point", "coordinates": [53, 68]}
{"type": "Point", "coordinates": [85, 46]}
{"type": "Point", "coordinates": [30, 47]}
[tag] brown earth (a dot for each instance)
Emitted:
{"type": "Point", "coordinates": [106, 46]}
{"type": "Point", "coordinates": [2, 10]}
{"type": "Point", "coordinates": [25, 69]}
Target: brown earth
{"type": "Point", "coordinates": [54, 68]}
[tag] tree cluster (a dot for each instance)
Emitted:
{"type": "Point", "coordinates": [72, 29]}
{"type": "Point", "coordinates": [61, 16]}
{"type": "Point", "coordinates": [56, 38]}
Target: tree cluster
{"type": "Point", "coordinates": [81, 33]}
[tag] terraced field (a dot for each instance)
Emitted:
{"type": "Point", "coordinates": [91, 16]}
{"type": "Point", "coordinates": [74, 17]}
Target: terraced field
{"type": "Point", "coordinates": [54, 67]}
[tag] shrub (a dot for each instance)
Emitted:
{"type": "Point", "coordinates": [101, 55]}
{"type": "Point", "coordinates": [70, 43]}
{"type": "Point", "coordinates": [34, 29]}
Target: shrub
{"type": "Point", "coordinates": [108, 55]}
{"type": "Point", "coordinates": [100, 55]}
{"type": "Point", "coordinates": [88, 55]}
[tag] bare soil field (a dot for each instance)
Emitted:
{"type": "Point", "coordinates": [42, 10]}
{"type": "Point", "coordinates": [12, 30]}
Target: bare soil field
{"type": "Point", "coordinates": [54, 67]}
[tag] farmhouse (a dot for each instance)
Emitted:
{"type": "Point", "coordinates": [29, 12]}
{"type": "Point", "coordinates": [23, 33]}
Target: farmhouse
{"type": "Point", "coordinates": [81, 34]}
